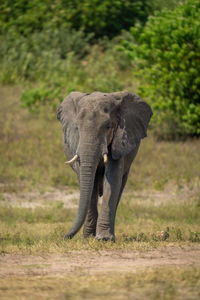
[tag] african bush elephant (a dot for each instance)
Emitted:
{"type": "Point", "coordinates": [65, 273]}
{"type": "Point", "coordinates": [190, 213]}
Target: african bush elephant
{"type": "Point", "coordinates": [101, 133]}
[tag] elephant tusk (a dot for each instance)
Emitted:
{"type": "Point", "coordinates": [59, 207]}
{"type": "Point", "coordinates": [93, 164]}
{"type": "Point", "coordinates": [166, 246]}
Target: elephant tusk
{"type": "Point", "coordinates": [105, 158]}
{"type": "Point", "coordinates": [72, 160]}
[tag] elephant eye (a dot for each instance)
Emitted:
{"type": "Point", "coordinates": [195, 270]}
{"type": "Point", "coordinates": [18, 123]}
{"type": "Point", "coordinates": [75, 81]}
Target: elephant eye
{"type": "Point", "coordinates": [108, 126]}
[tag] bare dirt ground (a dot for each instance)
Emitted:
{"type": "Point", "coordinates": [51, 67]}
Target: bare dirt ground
{"type": "Point", "coordinates": [36, 198]}
{"type": "Point", "coordinates": [97, 262]}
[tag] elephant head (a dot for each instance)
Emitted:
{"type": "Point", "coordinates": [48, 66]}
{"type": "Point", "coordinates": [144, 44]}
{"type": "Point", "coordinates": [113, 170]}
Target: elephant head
{"type": "Point", "coordinates": [97, 124]}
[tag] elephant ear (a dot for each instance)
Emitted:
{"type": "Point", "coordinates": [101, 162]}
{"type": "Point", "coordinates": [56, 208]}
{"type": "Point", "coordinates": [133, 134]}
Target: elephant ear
{"type": "Point", "coordinates": [66, 114]}
{"type": "Point", "coordinates": [134, 117]}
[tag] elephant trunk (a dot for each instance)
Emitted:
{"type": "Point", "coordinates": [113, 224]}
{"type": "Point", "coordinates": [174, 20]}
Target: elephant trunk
{"type": "Point", "coordinates": [88, 166]}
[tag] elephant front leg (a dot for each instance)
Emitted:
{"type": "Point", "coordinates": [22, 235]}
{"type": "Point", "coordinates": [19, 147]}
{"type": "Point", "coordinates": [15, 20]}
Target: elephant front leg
{"type": "Point", "coordinates": [92, 215]}
{"type": "Point", "coordinates": [111, 192]}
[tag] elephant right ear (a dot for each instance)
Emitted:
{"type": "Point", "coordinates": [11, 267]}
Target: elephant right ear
{"type": "Point", "coordinates": [66, 114]}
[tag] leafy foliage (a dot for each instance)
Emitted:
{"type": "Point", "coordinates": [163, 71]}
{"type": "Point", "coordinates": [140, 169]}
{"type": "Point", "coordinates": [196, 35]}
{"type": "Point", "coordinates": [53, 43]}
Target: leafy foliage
{"type": "Point", "coordinates": [49, 46]}
{"type": "Point", "coordinates": [107, 17]}
{"type": "Point", "coordinates": [96, 72]}
{"type": "Point", "coordinates": [34, 98]}
{"type": "Point", "coordinates": [39, 55]}
{"type": "Point", "coordinates": [158, 5]}
{"type": "Point", "coordinates": [101, 17]}
{"type": "Point", "coordinates": [167, 53]}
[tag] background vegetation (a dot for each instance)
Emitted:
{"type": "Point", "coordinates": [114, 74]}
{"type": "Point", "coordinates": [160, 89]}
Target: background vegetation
{"type": "Point", "coordinates": [160, 206]}
{"type": "Point", "coordinates": [49, 48]}
{"type": "Point", "coordinates": [167, 52]}
{"type": "Point", "coordinates": [32, 155]}
{"type": "Point", "coordinates": [148, 47]}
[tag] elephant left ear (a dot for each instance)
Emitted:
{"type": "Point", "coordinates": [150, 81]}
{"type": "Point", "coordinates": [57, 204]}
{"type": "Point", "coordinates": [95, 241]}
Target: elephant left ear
{"type": "Point", "coordinates": [134, 117]}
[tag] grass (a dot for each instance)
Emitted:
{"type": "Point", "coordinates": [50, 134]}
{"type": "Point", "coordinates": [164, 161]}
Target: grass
{"type": "Point", "coordinates": [160, 208]}
{"type": "Point", "coordinates": [160, 283]}
{"type": "Point", "coordinates": [31, 153]}
{"type": "Point", "coordinates": [41, 230]}
{"type": "Point", "coordinates": [32, 158]}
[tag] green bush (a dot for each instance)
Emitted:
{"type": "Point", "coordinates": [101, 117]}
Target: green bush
{"type": "Point", "coordinates": [36, 37]}
{"type": "Point", "coordinates": [98, 71]}
{"type": "Point", "coordinates": [40, 54]}
{"type": "Point", "coordinates": [35, 97]}
{"type": "Point", "coordinates": [48, 45]}
{"type": "Point", "coordinates": [101, 17]}
{"type": "Point", "coordinates": [107, 17]}
{"type": "Point", "coordinates": [158, 5]}
{"type": "Point", "coordinates": [166, 54]}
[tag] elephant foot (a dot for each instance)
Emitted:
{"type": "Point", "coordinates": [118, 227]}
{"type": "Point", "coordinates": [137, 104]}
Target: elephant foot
{"type": "Point", "coordinates": [68, 236]}
{"type": "Point", "coordinates": [105, 237]}
{"type": "Point", "coordinates": [89, 231]}
{"type": "Point", "coordinates": [90, 224]}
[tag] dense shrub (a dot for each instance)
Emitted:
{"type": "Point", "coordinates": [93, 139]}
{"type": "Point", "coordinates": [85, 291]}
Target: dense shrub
{"type": "Point", "coordinates": [98, 71]}
{"type": "Point", "coordinates": [36, 37]}
{"type": "Point", "coordinates": [107, 17]}
{"type": "Point", "coordinates": [101, 17]}
{"type": "Point", "coordinates": [40, 54]}
{"type": "Point", "coordinates": [158, 5]}
{"type": "Point", "coordinates": [49, 46]}
{"type": "Point", "coordinates": [167, 54]}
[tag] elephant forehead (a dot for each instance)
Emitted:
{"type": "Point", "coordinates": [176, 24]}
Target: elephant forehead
{"type": "Point", "coordinates": [95, 116]}
{"type": "Point", "coordinates": [97, 102]}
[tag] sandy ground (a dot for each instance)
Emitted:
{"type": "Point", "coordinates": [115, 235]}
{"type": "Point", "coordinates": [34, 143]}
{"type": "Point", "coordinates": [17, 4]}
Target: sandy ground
{"type": "Point", "coordinates": [36, 198]}
{"type": "Point", "coordinates": [97, 262]}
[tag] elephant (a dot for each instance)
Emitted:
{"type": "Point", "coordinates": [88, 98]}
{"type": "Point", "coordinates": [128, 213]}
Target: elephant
{"type": "Point", "coordinates": [101, 137]}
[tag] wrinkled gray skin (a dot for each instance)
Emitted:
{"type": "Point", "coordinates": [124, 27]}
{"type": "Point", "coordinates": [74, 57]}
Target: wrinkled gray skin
{"type": "Point", "coordinates": [93, 125]}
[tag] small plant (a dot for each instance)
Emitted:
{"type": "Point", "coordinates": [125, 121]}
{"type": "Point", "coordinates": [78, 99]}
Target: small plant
{"type": "Point", "coordinates": [194, 236]}
{"type": "Point", "coordinates": [162, 235]}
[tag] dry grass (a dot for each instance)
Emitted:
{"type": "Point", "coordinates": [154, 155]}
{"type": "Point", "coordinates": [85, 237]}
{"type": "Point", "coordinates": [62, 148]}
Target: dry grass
{"type": "Point", "coordinates": [138, 226]}
{"type": "Point", "coordinates": [160, 208]}
{"type": "Point", "coordinates": [31, 153]}
{"type": "Point", "coordinates": [159, 283]}
{"type": "Point", "coordinates": [32, 157]}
